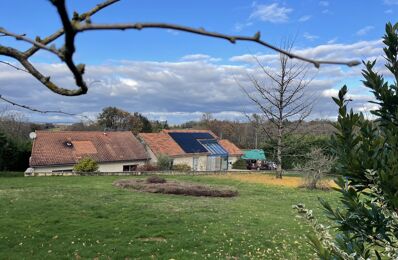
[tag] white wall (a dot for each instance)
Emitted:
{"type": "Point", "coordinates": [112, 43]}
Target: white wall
{"type": "Point", "coordinates": [231, 160]}
{"type": "Point", "coordinates": [102, 167]}
{"type": "Point", "coordinates": [202, 161]}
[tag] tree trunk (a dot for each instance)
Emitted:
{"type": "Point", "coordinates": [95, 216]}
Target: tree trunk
{"type": "Point", "coordinates": [279, 155]}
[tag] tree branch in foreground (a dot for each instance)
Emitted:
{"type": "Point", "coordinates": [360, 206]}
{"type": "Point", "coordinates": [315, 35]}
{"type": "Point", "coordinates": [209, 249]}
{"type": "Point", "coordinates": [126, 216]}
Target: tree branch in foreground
{"type": "Point", "coordinates": [42, 111]}
{"type": "Point", "coordinates": [81, 23]}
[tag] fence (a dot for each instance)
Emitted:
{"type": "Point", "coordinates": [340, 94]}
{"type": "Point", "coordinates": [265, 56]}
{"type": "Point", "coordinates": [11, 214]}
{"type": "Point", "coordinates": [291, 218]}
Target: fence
{"type": "Point", "coordinates": [135, 173]}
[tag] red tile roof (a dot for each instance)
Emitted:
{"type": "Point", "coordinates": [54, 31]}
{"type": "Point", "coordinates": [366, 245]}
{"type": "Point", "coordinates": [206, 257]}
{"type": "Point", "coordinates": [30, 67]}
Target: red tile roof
{"type": "Point", "coordinates": [230, 147]}
{"type": "Point", "coordinates": [161, 143]}
{"type": "Point", "coordinates": [68, 147]}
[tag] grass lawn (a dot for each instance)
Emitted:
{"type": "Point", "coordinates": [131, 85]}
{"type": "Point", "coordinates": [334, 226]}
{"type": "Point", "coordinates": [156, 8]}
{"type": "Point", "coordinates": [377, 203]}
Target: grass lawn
{"type": "Point", "coordinates": [86, 217]}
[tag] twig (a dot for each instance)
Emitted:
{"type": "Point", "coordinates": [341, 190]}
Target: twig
{"type": "Point", "coordinates": [71, 27]}
{"type": "Point", "coordinates": [202, 31]}
{"type": "Point", "coordinates": [43, 111]}
{"type": "Point", "coordinates": [34, 109]}
{"type": "Point", "coordinates": [13, 66]}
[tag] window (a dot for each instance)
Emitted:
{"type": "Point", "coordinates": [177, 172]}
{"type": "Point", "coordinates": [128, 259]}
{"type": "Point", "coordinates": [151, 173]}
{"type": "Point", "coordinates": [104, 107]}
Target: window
{"type": "Point", "coordinates": [130, 168]}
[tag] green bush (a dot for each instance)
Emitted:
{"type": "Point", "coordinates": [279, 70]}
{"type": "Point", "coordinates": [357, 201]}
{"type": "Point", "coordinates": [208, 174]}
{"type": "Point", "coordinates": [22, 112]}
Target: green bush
{"type": "Point", "coordinates": [164, 163]}
{"type": "Point", "coordinates": [240, 164]}
{"type": "Point", "coordinates": [182, 168]}
{"type": "Point", "coordinates": [296, 147]}
{"type": "Point", "coordinates": [86, 165]}
{"type": "Point", "coordinates": [14, 154]}
{"type": "Point", "coordinates": [365, 223]}
{"type": "Point", "coordinates": [11, 174]}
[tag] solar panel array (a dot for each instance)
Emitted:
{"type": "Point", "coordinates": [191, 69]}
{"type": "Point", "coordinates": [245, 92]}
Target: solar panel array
{"type": "Point", "coordinates": [214, 147]}
{"type": "Point", "coordinates": [189, 141]}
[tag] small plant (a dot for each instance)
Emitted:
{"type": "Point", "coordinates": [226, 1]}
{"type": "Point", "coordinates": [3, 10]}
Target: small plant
{"type": "Point", "coordinates": [315, 167]}
{"type": "Point", "coordinates": [155, 179]}
{"type": "Point", "coordinates": [240, 164]}
{"type": "Point", "coordinates": [164, 163]}
{"type": "Point", "coordinates": [86, 165]}
{"type": "Point", "coordinates": [182, 168]}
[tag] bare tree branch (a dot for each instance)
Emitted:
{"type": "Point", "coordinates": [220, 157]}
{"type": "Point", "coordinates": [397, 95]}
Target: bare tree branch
{"type": "Point", "coordinates": [34, 109]}
{"type": "Point", "coordinates": [13, 66]}
{"type": "Point", "coordinates": [82, 23]}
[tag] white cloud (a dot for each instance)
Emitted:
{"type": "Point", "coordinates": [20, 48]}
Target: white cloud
{"type": "Point", "coordinates": [331, 92]}
{"type": "Point", "coordinates": [333, 40]}
{"type": "Point", "coordinates": [183, 90]}
{"type": "Point", "coordinates": [388, 11]}
{"type": "Point", "coordinates": [324, 3]}
{"type": "Point", "coordinates": [365, 30]}
{"type": "Point", "coordinates": [271, 13]}
{"type": "Point", "coordinates": [391, 2]}
{"type": "Point", "coordinates": [240, 26]}
{"type": "Point", "coordinates": [304, 18]}
{"type": "Point", "coordinates": [310, 37]}
{"type": "Point", "coordinates": [199, 57]}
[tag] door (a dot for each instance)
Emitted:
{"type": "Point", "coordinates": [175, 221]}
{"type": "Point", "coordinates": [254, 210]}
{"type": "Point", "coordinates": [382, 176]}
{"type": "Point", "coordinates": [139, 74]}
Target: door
{"type": "Point", "coordinates": [195, 163]}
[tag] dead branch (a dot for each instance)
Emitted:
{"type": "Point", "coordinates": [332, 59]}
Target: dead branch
{"type": "Point", "coordinates": [43, 111]}
{"type": "Point", "coordinates": [34, 109]}
{"type": "Point", "coordinates": [82, 23]}
{"type": "Point", "coordinates": [13, 66]}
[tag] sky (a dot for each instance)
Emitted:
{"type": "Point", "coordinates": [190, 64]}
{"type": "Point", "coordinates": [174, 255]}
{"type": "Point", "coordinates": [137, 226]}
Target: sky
{"type": "Point", "coordinates": [176, 76]}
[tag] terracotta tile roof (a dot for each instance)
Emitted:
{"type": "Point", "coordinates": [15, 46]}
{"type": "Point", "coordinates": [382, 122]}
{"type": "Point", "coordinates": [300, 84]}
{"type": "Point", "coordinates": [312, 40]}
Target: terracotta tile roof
{"type": "Point", "coordinates": [161, 143]}
{"type": "Point", "coordinates": [231, 148]}
{"type": "Point", "coordinates": [68, 147]}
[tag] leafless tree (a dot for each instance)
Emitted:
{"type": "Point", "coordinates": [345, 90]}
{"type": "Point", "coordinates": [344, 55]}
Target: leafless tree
{"type": "Point", "coordinates": [282, 100]}
{"type": "Point", "coordinates": [14, 124]}
{"type": "Point", "coordinates": [314, 169]}
{"type": "Point", "coordinates": [78, 23]}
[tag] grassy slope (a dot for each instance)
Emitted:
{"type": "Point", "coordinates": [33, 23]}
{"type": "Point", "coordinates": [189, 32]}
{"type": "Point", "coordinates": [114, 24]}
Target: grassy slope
{"type": "Point", "coordinates": [61, 217]}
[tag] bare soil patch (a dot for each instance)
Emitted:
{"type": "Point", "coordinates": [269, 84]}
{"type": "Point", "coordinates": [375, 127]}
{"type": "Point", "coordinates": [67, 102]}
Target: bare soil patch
{"type": "Point", "coordinates": [175, 187]}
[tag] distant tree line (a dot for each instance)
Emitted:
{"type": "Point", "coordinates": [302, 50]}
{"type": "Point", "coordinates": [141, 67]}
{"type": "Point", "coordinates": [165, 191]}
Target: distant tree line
{"type": "Point", "coordinates": [16, 146]}
{"type": "Point", "coordinates": [116, 119]}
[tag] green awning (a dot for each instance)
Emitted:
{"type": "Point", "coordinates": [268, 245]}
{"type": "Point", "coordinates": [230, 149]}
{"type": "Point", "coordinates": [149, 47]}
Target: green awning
{"type": "Point", "coordinates": [255, 154]}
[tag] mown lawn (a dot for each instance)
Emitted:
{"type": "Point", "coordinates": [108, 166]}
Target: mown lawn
{"type": "Point", "coordinates": [86, 217]}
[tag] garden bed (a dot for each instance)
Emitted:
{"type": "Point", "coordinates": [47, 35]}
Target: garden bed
{"type": "Point", "coordinates": [157, 184]}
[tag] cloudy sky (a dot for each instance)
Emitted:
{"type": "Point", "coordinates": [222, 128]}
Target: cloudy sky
{"type": "Point", "coordinates": [175, 76]}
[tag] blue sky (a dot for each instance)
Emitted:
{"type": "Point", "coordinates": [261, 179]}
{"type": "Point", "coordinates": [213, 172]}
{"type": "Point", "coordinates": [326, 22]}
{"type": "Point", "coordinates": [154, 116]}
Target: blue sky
{"type": "Point", "coordinates": [162, 62]}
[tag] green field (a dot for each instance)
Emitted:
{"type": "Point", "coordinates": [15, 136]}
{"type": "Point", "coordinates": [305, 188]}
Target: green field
{"type": "Point", "coordinates": [86, 217]}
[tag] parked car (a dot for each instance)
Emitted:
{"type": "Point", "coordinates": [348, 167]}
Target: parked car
{"type": "Point", "coordinates": [260, 165]}
{"type": "Point", "coordinates": [270, 165]}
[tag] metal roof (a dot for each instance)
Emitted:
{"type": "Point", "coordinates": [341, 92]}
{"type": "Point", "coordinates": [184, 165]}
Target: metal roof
{"type": "Point", "coordinates": [214, 147]}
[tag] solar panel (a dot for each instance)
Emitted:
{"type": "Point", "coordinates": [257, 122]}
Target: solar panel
{"type": "Point", "coordinates": [214, 147]}
{"type": "Point", "coordinates": [189, 141]}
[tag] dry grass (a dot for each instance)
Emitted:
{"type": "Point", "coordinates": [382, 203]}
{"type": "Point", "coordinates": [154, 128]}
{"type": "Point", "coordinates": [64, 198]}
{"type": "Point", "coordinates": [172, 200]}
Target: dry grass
{"type": "Point", "coordinates": [287, 181]}
{"type": "Point", "coordinates": [175, 187]}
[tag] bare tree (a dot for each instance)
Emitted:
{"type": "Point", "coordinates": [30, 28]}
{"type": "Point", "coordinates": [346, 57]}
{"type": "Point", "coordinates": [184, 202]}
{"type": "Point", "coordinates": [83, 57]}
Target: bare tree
{"type": "Point", "coordinates": [78, 23]}
{"type": "Point", "coordinates": [281, 99]}
{"type": "Point", "coordinates": [314, 169]}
